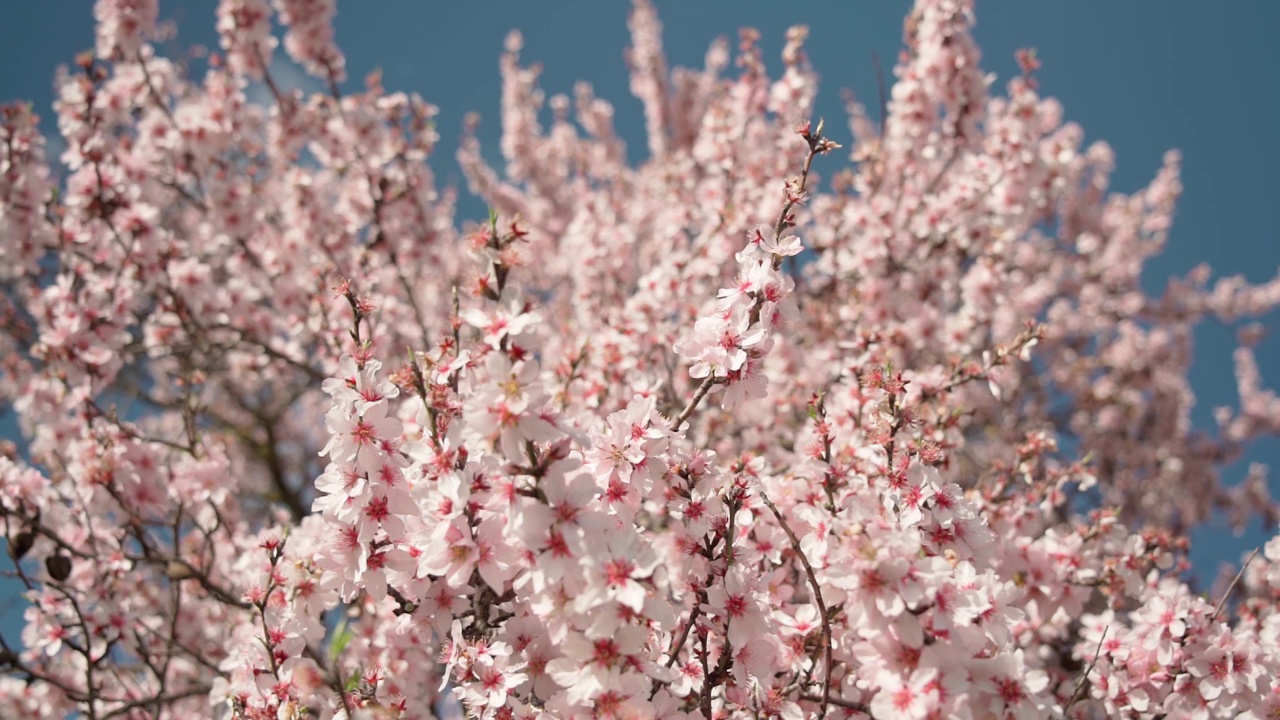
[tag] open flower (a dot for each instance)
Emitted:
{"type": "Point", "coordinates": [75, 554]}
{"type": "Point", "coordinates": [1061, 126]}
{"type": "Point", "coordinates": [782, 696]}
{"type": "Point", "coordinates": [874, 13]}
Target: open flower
{"type": "Point", "coordinates": [741, 605]}
{"type": "Point", "coordinates": [614, 572]}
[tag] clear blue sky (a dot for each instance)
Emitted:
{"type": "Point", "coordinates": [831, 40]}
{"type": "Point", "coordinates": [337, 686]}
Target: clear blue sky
{"type": "Point", "coordinates": [1144, 75]}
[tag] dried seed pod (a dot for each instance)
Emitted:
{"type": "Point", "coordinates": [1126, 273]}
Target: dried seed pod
{"type": "Point", "coordinates": [21, 544]}
{"type": "Point", "coordinates": [59, 567]}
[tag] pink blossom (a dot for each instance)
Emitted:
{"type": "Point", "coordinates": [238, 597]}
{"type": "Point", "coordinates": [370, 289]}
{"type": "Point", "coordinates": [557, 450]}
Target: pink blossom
{"type": "Point", "coordinates": [615, 571]}
{"type": "Point", "coordinates": [741, 606]}
{"type": "Point", "coordinates": [299, 440]}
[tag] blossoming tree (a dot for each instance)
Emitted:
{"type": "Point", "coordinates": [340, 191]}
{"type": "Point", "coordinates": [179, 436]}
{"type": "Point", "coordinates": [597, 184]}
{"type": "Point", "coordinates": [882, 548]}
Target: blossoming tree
{"type": "Point", "coordinates": [704, 437]}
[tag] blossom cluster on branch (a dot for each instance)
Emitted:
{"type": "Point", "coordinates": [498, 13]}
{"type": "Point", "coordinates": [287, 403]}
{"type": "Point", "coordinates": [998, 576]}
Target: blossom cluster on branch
{"type": "Point", "coordinates": [709, 436]}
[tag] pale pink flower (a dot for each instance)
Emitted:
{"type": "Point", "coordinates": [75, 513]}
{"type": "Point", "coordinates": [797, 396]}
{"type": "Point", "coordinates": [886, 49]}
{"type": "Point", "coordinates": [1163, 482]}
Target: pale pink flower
{"type": "Point", "coordinates": [740, 604]}
{"type": "Point", "coordinates": [591, 666]}
{"type": "Point", "coordinates": [362, 438]}
{"type": "Point", "coordinates": [615, 570]}
{"type": "Point", "coordinates": [769, 242]}
{"type": "Point", "coordinates": [909, 697]}
{"type": "Point", "coordinates": [359, 387]}
{"type": "Point", "coordinates": [510, 320]}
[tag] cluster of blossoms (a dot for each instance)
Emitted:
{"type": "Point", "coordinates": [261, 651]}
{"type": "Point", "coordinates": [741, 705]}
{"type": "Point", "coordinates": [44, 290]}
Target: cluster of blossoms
{"type": "Point", "coordinates": [296, 446]}
{"type": "Point", "coordinates": [729, 345]}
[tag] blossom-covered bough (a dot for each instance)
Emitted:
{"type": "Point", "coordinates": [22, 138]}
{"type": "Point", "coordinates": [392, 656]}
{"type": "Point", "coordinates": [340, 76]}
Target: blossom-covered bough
{"type": "Point", "coordinates": [711, 436]}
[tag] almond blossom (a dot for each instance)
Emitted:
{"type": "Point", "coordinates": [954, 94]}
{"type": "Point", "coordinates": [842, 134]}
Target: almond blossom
{"type": "Point", "coordinates": [785, 420]}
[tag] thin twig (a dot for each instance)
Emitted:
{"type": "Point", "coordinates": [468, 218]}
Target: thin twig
{"type": "Point", "coordinates": [817, 598]}
{"type": "Point", "coordinates": [817, 145]}
{"type": "Point", "coordinates": [838, 702]}
{"type": "Point", "coordinates": [701, 392]}
{"type": "Point", "coordinates": [677, 644]}
{"type": "Point", "coordinates": [1223, 600]}
{"type": "Point", "coordinates": [1084, 679]}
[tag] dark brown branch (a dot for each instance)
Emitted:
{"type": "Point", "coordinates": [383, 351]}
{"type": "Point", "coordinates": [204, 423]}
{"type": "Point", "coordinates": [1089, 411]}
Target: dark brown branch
{"type": "Point", "coordinates": [849, 704]}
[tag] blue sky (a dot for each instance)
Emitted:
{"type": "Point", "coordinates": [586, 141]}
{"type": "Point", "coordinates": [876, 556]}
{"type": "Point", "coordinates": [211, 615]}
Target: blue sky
{"type": "Point", "coordinates": [1144, 75]}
